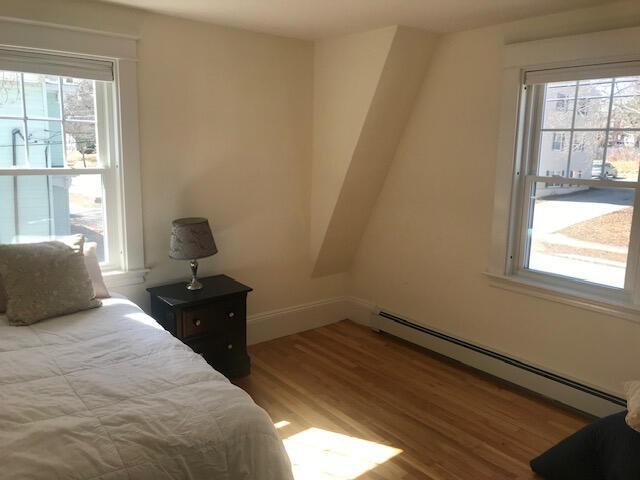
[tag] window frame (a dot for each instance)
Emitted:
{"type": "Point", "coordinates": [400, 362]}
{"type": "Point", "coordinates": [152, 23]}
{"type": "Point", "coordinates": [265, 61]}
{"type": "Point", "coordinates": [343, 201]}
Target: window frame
{"type": "Point", "coordinates": [123, 177]}
{"type": "Point", "coordinates": [105, 122]}
{"type": "Point", "coordinates": [514, 156]}
{"type": "Point", "coordinates": [525, 178]}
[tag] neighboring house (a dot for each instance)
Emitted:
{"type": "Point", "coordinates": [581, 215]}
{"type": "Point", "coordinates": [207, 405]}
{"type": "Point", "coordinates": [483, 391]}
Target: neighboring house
{"type": "Point", "coordinates": [34, 207]}
{"type": "Point", "coordinates": [578, 132]}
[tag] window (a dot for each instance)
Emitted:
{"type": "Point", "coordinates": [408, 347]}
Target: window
{"type": "Point", "coordinates": [574, 224]}
{"type": "Point", "coordinates": [54, 161]}
{"type": "Point", "coordinates": [561, 104]}
{"type": "Point", "coordinates": [558, 143]}
{"type": "Point", "coordinates": [69, 147]}
{"type": "Point", "coordinates": [58, 153]}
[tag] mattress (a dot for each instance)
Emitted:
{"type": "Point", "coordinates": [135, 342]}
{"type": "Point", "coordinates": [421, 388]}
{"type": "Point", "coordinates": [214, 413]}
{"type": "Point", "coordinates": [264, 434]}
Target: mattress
{"type": "Point", "coordinates": [108, 394]}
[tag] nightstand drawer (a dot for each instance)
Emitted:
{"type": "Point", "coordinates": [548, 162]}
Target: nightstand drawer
{"type": "Point", "coordinates": [210, 319]}
{"type": "Point", "coordinates": [227, 355]}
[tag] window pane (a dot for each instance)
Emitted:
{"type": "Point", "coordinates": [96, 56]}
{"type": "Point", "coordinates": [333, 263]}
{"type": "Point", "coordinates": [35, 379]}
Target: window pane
{"type": "Point", "coordinates": [81, 144]}
{"type": "Point", "coordinates": [627, 86]}
{"type": "Point", "coordinates": [625, 112]}
{"type": "Point", "coordinates": [10, 94]}
{"type": "Point", "coordinates": [623, 155]}
{"type": "Point", "coordinates": [12, 143]}
{"type": "Point", "coordinates": [587, 154]}
{"type": "Point", "coordinates": [79, 99]}
{"type": "Point", "coordinates": [42, 96]}
{"type": "Point", "coordinates": [592, 108]}
{"type": "Point", "coordinates": [45, 143]}
{"type": "Point", "coordinates": [558, 105]}
{"type": "Point", "coordinates": [554, 153]}
{"type": "Point", "coordinates": [581, 232]}
{"type": "Point", "coordinates": [42, 207]}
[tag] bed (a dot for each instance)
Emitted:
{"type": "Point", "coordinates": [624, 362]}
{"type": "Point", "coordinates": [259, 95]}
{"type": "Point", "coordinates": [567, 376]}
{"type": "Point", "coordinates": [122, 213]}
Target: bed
{"type": "Point", "coordinates": [108, 394]}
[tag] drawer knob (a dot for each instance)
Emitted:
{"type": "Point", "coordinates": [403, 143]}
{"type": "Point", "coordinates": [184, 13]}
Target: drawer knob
{"type": "Point", "coordinates": [197, 322]}
{"type": "Point", "coordinates": [230, 347]}
{"type": "Point", "coordinates": [231, 314]}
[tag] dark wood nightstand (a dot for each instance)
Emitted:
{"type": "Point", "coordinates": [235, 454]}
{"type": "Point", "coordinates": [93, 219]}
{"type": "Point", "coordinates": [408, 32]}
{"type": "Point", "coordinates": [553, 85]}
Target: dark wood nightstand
{"type": "Point", "coordinates": [212, 321]}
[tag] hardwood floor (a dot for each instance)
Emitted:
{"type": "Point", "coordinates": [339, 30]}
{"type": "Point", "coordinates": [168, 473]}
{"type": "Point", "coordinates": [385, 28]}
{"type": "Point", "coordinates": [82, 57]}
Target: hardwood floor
{"type": "Point", "coordinates": [328, 387]}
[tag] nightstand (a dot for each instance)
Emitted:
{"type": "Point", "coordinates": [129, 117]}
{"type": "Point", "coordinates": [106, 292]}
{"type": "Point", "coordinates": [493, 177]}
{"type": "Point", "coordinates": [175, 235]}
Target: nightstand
{"type": "Point", "coordinates": [212, 321]}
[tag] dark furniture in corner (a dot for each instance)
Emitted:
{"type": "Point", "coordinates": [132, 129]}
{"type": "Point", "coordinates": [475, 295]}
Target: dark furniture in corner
{"type": "Point", "coordinates": [607, 449]}
{"type": "Point", "coordinates": [212, 321]}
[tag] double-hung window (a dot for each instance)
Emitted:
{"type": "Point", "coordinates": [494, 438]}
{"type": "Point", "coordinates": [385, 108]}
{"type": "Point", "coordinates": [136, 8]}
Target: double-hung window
{"type": "Point", "coordinates": [575, 208]}
{"type": "Point", "coordinates": [58, 159]}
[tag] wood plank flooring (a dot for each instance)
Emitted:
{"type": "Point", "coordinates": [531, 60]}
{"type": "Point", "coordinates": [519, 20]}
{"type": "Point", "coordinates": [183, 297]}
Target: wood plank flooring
{"type": "Point", "coordinates": [336, 387]}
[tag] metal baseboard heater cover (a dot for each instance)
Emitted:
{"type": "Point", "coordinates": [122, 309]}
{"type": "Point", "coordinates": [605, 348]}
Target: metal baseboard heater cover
{"type": "Point", "coordinates": [556, 387]}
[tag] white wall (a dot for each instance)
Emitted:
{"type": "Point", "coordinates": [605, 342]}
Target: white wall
{"type": "Point", "coordinates": [226, 120]}
{"type": "Point", "coordinates": [225, 133]}
{"type": "Point", "coordinates": [346, 73]}
{"type": "Point", "coordinates": [225, 130]}
{"type": "Point", "coordinates": [426, 246]}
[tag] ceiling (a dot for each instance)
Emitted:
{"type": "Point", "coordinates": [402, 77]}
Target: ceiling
{"type": "Point", "coordinates": [313, 19]}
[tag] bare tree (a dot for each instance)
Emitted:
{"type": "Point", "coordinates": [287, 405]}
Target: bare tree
{"type": "Point", "coordinates": [79, 113]}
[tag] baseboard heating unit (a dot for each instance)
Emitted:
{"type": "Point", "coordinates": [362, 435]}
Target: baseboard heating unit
{"type": "Point", "coordinates": [556, 387]}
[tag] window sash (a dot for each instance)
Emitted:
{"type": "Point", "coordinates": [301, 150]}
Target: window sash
{"type": "Point", "coordinates": [538, 105]}
{"type": "Point", "coordinates": [525, 219]}
{"type": "Point", "coordinates": [532, 99]}
{"type": "Point", "coordinates": [25, 118]}
{"type": "Point", "coordinates": [108, 169]}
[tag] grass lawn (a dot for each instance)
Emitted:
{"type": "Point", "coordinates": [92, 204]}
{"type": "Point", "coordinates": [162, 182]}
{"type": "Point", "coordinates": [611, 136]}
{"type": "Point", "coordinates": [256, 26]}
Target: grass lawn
{"type": "Point", "coordinates": [612, 229]}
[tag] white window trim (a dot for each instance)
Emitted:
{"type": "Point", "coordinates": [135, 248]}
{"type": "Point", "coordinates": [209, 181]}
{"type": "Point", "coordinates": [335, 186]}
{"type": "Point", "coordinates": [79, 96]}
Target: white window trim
{"type": "Point", "coordinates": [122, 50]}
{"type": "Point", "coordinates": [573, 51]}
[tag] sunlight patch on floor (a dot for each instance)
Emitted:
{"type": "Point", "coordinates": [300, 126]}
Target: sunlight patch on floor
{"type": "Point", "coordinates": [318, 454]}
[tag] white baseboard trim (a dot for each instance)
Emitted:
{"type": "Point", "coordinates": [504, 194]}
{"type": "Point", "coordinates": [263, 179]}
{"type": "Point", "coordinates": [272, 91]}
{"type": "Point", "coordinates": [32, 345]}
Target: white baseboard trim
{"type": "Point", "coordinates": [266, 326]}
{"type": "Point", "coordinates": [287, 321]}
{"type": "Point", "coordinates": [549, 384]}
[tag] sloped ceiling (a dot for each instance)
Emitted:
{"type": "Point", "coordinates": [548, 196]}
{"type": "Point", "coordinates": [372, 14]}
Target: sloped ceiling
{"type": "Point", "coordinates": [365, 86]}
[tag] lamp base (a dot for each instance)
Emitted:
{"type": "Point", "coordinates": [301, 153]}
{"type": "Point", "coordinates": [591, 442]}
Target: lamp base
{"type": "Point", "coordinates": [194, 284]}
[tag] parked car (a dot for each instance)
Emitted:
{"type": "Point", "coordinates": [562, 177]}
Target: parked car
{"type": "Point", "coordinates": [609, 170]}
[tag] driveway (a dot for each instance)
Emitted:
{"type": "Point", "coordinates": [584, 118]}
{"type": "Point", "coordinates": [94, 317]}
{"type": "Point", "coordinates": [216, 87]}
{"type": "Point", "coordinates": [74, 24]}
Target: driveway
{"type": "Point", "coordinates": [580, 259]}
{"type": "Point", "coordinates": [554, 213]}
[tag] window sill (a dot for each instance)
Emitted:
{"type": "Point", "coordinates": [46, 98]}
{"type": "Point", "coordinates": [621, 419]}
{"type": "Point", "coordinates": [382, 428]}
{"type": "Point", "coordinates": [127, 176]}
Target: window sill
{"type": "Point", "coordinates": [565, 296]}
{"type": "Point", "coordinates": [120, 278]}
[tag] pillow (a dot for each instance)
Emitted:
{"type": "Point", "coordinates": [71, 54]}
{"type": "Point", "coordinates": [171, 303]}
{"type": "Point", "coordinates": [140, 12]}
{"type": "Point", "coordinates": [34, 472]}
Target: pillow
{"type": "Point", "coordinates": [93, 268]}
{"type": "Point", "coordinates": [71, 240]}
{"type": "Point", "coordinates": [605, 450]}
{"type": "Point", "coordinates": [632, 390]}
{"type": "Point", "coordinates": [44, 280]}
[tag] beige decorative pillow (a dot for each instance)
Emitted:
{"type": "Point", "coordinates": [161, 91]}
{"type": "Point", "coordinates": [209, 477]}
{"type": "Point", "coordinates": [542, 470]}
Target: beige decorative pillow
{"type": "Point", "coordinates": [43, 280]}
{"type": "Point", "coordinates": [72, 240]}
{"type": "Point", "coordinates": [93, 267]}
{"type": "Point", "coordinates": [632, 391]}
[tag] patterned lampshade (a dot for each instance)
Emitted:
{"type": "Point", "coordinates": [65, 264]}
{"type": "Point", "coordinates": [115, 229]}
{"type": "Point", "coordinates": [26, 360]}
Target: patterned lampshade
{"type": "Point", "coordinates": [191, 238]}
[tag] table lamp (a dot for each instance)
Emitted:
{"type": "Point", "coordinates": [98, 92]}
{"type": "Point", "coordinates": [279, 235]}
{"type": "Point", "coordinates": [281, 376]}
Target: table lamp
{"type": "Point", "coordinates": [191, 238]}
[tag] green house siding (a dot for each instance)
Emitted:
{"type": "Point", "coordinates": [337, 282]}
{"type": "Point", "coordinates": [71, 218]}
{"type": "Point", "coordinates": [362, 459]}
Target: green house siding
{"type": "Point", "coordinates": [33, 206]}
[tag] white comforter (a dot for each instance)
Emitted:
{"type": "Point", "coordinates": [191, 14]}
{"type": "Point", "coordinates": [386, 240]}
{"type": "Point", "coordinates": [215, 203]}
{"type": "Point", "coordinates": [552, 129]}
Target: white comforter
{"type": "Point", "coordinates": [108, 394]}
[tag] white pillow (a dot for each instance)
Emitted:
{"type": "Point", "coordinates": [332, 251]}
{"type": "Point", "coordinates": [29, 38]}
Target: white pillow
{"type": "Point", "coordinates": [93, 267]}
{"type": "Point", "coordinates": [632, 390]}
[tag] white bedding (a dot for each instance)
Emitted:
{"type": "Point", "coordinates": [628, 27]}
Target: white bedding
{"type": "Point", "coordinates": [108, 394]}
